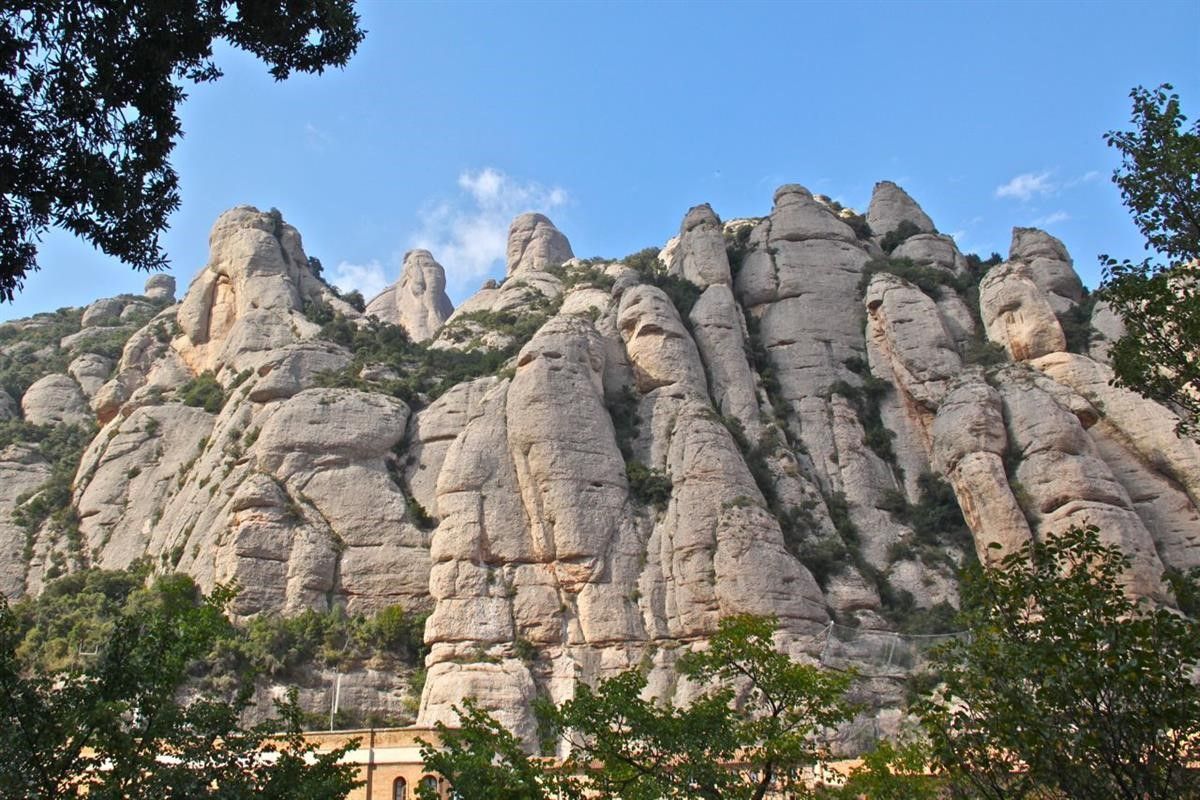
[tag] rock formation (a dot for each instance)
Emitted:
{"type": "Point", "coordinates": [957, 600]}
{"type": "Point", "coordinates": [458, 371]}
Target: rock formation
{"type": "Point", "coordinates": [587, 464]}
{"type": "Point", "coordinates": [418, 301]}
{"type": "Point", "coordinates": [534, 244]}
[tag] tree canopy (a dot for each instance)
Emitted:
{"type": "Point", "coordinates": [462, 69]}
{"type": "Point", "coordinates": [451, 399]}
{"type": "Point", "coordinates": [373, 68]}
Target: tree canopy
{"type": "Point", "coordinates": [88, 98]}
{"type": "Point", "coordinates": [1066, 688]}
{"type": "Point", "coordinates": [1159, 179]}
{"type": "Point", "coordinates": [110, 724]}
{"type": "Point", "coordinates": [623, 745]}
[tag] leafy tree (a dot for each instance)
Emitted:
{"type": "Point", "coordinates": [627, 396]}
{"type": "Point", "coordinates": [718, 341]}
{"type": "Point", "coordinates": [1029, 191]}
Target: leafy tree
{"type": "Point", "coordinates": [481, 758]}
{"type": "Point", "coordinates": [1066, 688]}
{"type": "Point", "coordinates": [892, 771]}
{"type": "Point", "coordinates": [1159, 179]}
{"type": "Point", "coordinates": [113, 728]}
{"type": "Point", "coordinates": [623, 745]}
{"type": "Point", "coordinates": [88, 98]}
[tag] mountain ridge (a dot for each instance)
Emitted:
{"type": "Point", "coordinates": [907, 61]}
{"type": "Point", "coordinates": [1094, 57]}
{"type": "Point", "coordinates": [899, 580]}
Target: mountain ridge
{"type": "Point", "coordinates": [817, 415]}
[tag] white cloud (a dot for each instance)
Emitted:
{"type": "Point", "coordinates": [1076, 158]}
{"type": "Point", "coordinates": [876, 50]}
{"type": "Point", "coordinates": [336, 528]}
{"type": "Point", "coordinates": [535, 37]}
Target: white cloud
{"type": "Point", "coordinates": [1086, 177]}
{"type": "Point", "coordinates": [468, 235]}
{"type": "Point", "coordinates": [1025, 186]}
{"type": "Point", "coordinates": [369, 278]}
{"type": "Point", "coordinates": [1051, 218]}
{"type": "Point", "coordinates": [315, 138]}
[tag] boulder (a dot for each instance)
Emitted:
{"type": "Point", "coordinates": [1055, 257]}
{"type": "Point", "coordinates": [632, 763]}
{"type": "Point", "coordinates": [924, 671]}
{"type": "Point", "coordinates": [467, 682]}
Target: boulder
{"type": "Point", "coordinates": [103, 312]}
{"type": "Point", "coordinates": [55, 400]}
{"type": "Point", "coordinates": [160, 287]}
{"type": "Point", "coordinates": [91, 371]}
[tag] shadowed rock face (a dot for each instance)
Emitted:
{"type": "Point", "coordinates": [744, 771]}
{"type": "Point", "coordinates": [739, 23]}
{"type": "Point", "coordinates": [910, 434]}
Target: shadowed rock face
{"type": "Point", "coordinates": [635, 471]}
{"type": "Point", "coordinates": [418, 301]}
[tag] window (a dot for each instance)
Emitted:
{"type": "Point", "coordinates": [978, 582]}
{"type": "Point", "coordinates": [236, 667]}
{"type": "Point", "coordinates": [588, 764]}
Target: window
{"type": "Point", "coordinates": [429, 783]}
{"type": "Point", "coordinates": [400, 789]}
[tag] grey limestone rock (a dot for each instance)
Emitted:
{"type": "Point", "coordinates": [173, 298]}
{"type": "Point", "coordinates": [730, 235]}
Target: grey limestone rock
{"type": "Point", "coordinates": [160, 287]}
{"type": "Point", "coordinates": [1016, 313]}
{"type": "Point", "coordinates": [700, 254]}
{"type": "Point", "coordinates": [1049, 266]}
{"type": "Point", "coordinates": [55, 400]}
{"type": "Point", "coordinates": [534, 244]}
{"type": "Point", "coordinates": [91, 371]}
{"type": "Point", "coordinates": [103, 312]}
{"type": "Point", "coordinates": [891, 205]}
{"type": "Point", "coordinates": [418, 301]}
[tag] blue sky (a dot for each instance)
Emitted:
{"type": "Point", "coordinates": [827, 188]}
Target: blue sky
{"type": "Point", "coordinates": [615, 118]}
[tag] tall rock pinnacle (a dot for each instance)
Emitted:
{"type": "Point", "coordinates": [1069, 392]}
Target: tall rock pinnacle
{"type": "Point", "coordinates": [418, 301]}
{"type": "Point", "coordinates": [891, 205]}
{"type": "Point", "coordinates": [534, 244]}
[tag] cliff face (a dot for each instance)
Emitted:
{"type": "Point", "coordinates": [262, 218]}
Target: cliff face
{"type": "Point", "coordinates": [586, 466]}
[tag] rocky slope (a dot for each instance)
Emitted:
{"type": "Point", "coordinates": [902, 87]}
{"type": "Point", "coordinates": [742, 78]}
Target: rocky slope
{"type": "Point", "coordinates": [585, 466]}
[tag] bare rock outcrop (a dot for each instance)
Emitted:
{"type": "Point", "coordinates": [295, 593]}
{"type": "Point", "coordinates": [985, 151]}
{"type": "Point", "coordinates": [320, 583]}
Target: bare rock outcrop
{"type": "Point", "coordinates": [891, 205]}
{"type": "Point", "coordinates": [932, 250]}
{"type": "Point", "coordinates": [700, 255]}
{"type": "Point", "coordinates": [534, 244]}
{"type": "Point", "coordinates": [719, 331]}
{"type": "Point", "coordinates": [1067, 482]}
{"type": "Point", "coordinates": [55, 400]}
{"type": "Point", "coordinates": [969, 447]}
{"type": "Point", "coordinates": [160, 287]}
{"type": "Point", "coordinates": [103, 312]}
{"type": "Point", "coordinates": [612, 456]}
{"type": "Point", "coordinates": [1107, 328]}
{"type": "Point", "coordinates": [1049, 266]}
{"type": "Point", "coordinates": [1016, 313]}
{"type": "Point", "coordinates": [250, 297]}
{"type": "Point", "coordinates": [418, 301]}
{"type": "Point", "coordinates": [22, 471]}
{"type": "Point", "coordinates": [90, 371]}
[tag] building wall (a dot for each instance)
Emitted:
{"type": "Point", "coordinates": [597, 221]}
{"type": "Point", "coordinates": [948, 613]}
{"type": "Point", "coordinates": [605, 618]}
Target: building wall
{"type": "Point", "coordinates": [383, 756]}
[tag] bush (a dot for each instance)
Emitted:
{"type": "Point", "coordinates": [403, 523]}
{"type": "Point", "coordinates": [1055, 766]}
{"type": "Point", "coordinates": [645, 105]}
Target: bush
{"type": "Point", "coordinates": [356, 300]}
{"type": "Point", "coordinates": [936, 519]}
{"type": "Point", "coordinates": [928, 279]}
{"type": "Point", "coordinates": [737, 247]}
{"type": "Point", "coordinates": [62, 446]}
{"type": "Point", "coordinates": [426, 372]}
{"type": "Point", "coordinates": [582, 274]}
{"type": "Point", "coordinates": [893, 239]}
{"type": "Point", "coordinates": [866, 401]}
{"type": "Point", "coordinates": [682, 292]}
{"type": "Point", "coordinates": [420, 517]}
{"type": "Point", "coordinates": [647, 485]}
{"type": "Point", "coordinates": [623, 410]}
{"type": "Point", "coordinates": [203, 391]}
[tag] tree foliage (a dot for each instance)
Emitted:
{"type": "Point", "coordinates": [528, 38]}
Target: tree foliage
{"type": "Point", "coordinates": [1159, 179]}
{"type": "Point", "coordinates": [110, 724]}
{"type": "Point", "coordinates": [88, 99]}
{"type": "Point", "coordinates": [750, 733]}
{"type": "Point", "coordinates": [1066, 688]}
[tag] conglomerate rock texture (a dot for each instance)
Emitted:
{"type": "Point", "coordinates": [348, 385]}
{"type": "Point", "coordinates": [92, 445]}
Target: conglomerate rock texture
{"type": "Point", "coordinates": [588, 464]}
